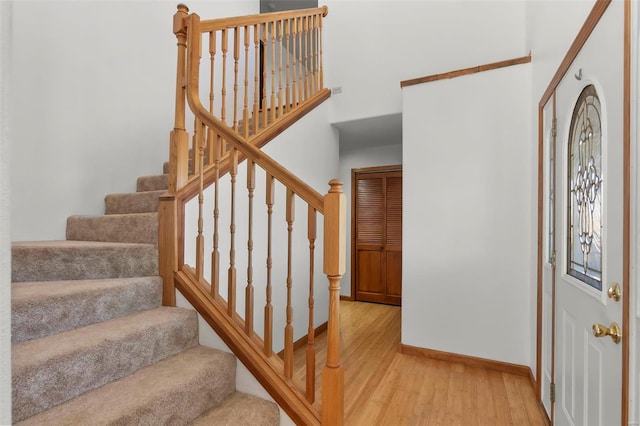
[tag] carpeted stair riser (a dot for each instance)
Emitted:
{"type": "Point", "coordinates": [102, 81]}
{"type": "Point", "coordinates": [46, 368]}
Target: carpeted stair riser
{"type": "Point", "coordinates": [80, 260]}
{"type": "Point", "coordinates": [54, 369]}
{"type": "Point", "coordinates": [152, 183]}
{"type": "Point", "coordinates": [137, 202]}
{"type": "Point", "coordinates": [241, 409]}
{"type": "Point", "coordinates": [121, 228]}
{"type": "Point", "coordinates": [174, 392]}
{"type": "Point", "coordinates": [41, 309]}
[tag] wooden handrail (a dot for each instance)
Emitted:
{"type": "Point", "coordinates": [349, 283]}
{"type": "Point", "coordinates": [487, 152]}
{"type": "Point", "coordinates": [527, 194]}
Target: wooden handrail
{"type": "Point", "coordinates": [225, 134]}
{"type": "Point", "coordinates": [222, 23]}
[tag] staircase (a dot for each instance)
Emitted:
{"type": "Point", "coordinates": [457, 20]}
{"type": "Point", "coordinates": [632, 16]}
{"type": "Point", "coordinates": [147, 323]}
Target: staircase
{"type": "Point", "coordinates": [91, 343]}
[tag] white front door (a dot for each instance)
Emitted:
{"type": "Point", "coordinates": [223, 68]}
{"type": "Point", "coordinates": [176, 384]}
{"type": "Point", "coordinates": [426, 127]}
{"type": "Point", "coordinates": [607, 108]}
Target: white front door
{"type": "Point", "coordinates": [589, 229]}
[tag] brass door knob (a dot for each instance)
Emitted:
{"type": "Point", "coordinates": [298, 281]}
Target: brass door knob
{"type": "Point", "coordinates": [614, 292]}
{"type": "Point", "coordinates": [614, 332]}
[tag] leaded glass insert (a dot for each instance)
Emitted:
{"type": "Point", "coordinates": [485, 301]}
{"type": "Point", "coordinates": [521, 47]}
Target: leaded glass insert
{"type": "Point", "coordinates": [585, 186]}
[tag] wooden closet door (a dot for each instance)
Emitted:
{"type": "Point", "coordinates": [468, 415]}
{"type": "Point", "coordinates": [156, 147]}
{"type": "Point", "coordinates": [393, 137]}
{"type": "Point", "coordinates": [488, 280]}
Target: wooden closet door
{"type": "Point", "coordinates": [378, 237]}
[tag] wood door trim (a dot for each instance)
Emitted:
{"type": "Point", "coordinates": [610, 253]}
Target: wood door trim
{"type": "Point", "coordinates": [539, 290]}
{"type": "Point", "coordinates": [626, 227]}
{"type": "Point", "coordinates": [354, 172]}
{"type": "Point", "coordinates": [377, 169]}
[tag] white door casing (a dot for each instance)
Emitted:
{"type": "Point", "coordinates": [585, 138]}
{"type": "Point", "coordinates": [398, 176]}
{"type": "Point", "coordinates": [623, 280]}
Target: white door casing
{"type": "Point", "coordinates": [548, 249]}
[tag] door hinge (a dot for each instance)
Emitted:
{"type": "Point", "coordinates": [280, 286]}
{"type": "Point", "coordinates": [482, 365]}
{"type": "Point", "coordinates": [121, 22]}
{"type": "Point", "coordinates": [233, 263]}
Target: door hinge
{"type": "Point", "coordinates": [553, 259]}
{"type": "Point", "coordinates": [554, 127]}
{"type": "Point", "coordinates": [552, 392]}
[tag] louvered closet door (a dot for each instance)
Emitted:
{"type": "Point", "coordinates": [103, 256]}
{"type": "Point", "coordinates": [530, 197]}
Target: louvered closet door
{"type": "Point", "coordinates": [378, 248]}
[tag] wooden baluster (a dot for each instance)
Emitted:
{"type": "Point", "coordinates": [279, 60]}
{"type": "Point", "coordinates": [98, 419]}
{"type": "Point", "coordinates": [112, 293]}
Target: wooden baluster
{"type": "Point", "coordinates": [288, 330]}
{"type": "Point", "coordinates": [200, 160]}
{"type": "Point", "coordinates": [282, 53]}
{"type": "Point", "coordinates": [300, 59]}
{"type": "Point", "coordinates": [306, 57]}
{"type": "Point", "coordinates": [294, 74]}
{"type": "Point", "coordinates": [245, 111]}
{"type": "Point", "coordinates": [268, 309]}
{"type": "Point", "coordinates": [316, 51]}
{"type": "Point", "coordinates": [312, 51]}
{"type": "Point", "coordinates": [311, 350]}
{"type": "Point", "coordinates": [265, 44]}
{"type": "Point", "coordinates": [256, 81]}
{"type": "Point", "coordinates": [287, 37]}
{"type": "Point", "coordinates": [248, 316]}
{"type": "Point", "coordinates": [334, 267]}
{"type": "Point", "coordinates": [273, 71]}
{"type": "Point", "coordinates": [193, 153]}
{"type": "Point", "coordinates": [236, 59]}
{"type": "Point", "coordinates": [231, 297]}
{"type": "Point", "coordinates": [321, 76]}
{"type": "Point", "coordinates": [215, 253]}
{"type": "Point", "coordinates": [179, 138]}
{"type": "Point", "coordinates": [224, 47]}
{"type": "Point", "coordinates": [212, 54]}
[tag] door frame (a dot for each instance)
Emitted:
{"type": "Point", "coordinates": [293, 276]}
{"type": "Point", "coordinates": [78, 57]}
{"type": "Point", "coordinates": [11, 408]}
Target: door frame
{"type": "Point", "coordinates": [354, 172]}
{"type": "Point", "coordinates": [591, 22]}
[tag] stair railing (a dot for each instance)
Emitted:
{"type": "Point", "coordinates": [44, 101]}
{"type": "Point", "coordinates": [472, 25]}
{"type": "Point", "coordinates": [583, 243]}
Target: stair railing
{"type": "Point", "coordinates": [271, 79]}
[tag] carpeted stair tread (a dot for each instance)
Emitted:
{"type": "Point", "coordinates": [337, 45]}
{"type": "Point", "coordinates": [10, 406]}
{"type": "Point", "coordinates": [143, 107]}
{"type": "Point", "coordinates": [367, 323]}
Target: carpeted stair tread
{"type": "Point", "coordinates": [78, 260]}
{"type": "Point", "coordinates": [40, 309]}
{"type": "Point", "coordinates": [241, 409]}
{"type": "Point", "coordinates": [54, 369]}
{"type": "Point", "coordinates": [137, 202]}
{"type": "Point", "coordinates": [173, 391]}
{"type": "Point", "coordinates": [152, 183]}
{"type": "Point", "coordinates": [123, 228]}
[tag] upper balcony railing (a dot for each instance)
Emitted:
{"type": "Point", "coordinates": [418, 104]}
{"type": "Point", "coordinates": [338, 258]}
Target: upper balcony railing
{"type": "Point", "coordinates": [261, 74]}
{"type": "Point", "coordinates": [258, 70]}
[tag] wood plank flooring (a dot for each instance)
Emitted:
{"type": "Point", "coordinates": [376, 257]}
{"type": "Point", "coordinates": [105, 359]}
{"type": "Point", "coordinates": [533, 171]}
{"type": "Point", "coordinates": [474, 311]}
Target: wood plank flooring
{"type": "Point", "coordinates": [385, 387]}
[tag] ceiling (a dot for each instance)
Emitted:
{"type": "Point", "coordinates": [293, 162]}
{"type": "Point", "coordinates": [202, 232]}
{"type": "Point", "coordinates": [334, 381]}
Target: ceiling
{"type": "Point", "coordinates": [372, 131]}
{"type": "Point", "coordinates": [267, 6]}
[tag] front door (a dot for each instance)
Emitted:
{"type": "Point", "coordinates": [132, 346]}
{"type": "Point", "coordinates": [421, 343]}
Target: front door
{"type": "Point", "coordinates": [589, 201]}
{"type": "Point", "coordinates": [378, 235]}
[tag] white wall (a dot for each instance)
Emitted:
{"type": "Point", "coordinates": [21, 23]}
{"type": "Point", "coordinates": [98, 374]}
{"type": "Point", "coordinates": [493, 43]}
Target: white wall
{"type": "Point", "coordinates": [5, 253]}
{"type": "Point", "coordinates": [355, 158]}
{"type": "Point", "coordinates": [466, 217]}
{"type": "Point", "coordinates": [370, 46]}
{"type": "Point", "coordinates": [93, 100]}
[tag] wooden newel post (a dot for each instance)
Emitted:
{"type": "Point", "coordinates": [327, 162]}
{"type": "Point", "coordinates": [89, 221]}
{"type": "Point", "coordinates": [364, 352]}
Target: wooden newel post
{"type": "Point", "coordinates": [334, 267]}
{"type": "Point", "coordinates": [178, 171]}
{"type": "Point", "coordinates": [179, 148]}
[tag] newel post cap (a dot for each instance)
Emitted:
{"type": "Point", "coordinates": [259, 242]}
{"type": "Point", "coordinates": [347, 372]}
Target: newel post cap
{"type": "Point", "coordinates": [178, 18]}
{"type": "Point", "coordinates": [336, 186]}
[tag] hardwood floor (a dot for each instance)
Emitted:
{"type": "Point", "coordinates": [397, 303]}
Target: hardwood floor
{"type": "Point", "coordinates": [385, 387]}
